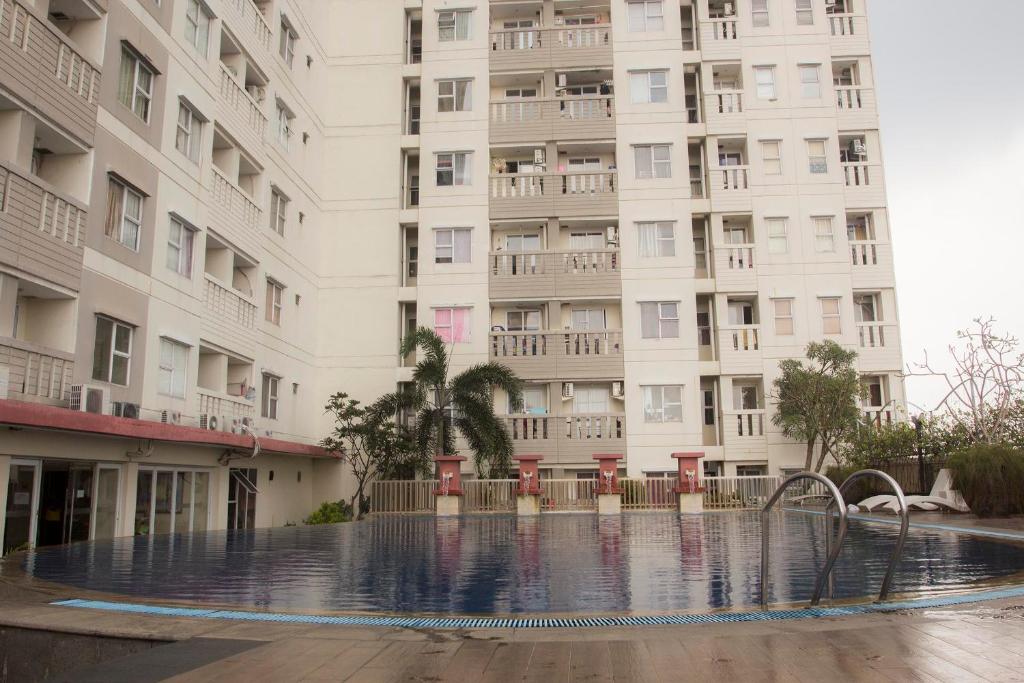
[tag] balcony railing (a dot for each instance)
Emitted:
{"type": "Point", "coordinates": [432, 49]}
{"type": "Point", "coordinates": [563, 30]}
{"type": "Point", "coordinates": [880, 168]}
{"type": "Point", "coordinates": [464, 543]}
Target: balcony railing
{"type": "Point", "coordinates": [738, 257]}
{"type": "Point", "coordinates": [864, 252]}
{"type": "Point", "coordinates": [224, 405]}
{"type": "Point", "coordinates": [697, 188]}
{"type": "Point", "coordinates": [583, 427]}
{"type": "Point", "coordinates": [847, 25]}
{"type": "Point", "coordinates": [742, 338]}
{"type": "Point", "coordinates": [228, 305]}
{"type": "Point", "coordinates": [724, 102]}
{"type": "Point", "coordinates": [249, 16]}
{"type": "Point", "coordinates": [878, 416]}
{"type": "Point", "coordinates": [236, 202]}
{"type": "Point", "coordinates": [562, 194]}
{"type": "Point", "coordinates": [719, 29]}
{"type": "Point", "coordinates": [563, 118]}
{"type": "Point", "coordinates": [36, 372]}
{"type": "Point", "coordinates": [241, 102]}
{"type": "Point", "coordinates": [542, 273]}
{"type": "Point", "coordinates": [854, 98]}
{"type": "Point", "coordinates": [745, 424]}
{"type": "Point", "coordinates": [873, 335]}
{"type": "Point", "coordinates": [730, 178]}
{"type": "Point", "coordinates": [565, 37]}
{"type": "Point", "coordinates": [861, 174]}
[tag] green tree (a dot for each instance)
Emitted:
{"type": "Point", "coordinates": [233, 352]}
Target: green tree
{"type": "Point", "coordinates": [871, 444]}
{"type": "Point", "coordinates": [463, 403]}
{"type": "Point", "coordinates": [817, 400]}
{"type": "Point", "coordinates": [368, 439]}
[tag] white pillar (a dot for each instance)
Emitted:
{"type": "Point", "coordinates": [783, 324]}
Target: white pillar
{"type": "Point", "coordinates": [5, 475]}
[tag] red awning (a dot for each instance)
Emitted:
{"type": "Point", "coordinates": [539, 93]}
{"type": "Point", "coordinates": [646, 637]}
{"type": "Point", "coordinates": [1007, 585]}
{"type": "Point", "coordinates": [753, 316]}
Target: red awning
{"type": "Point", "coordinates": [36, 416]}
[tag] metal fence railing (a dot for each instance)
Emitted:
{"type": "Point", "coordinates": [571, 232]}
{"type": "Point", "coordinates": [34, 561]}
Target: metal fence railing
{"type": "Point", "coordinates": [568, 495]}
{"type": "Point", "coordinates": [403, 496]}
{"type": "Point", "coordinates": [649, 494]}
{"type": "Point", "coordinates": [738, 493]}
{"type": "Point", "coordinates": [489, 495]}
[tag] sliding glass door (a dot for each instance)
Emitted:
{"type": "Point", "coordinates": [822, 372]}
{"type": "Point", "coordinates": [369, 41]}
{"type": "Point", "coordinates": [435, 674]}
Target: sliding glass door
{"type": "Point", "coordinates": [169, 500]}
{"type": "Point", "coordinates": [22, 503]}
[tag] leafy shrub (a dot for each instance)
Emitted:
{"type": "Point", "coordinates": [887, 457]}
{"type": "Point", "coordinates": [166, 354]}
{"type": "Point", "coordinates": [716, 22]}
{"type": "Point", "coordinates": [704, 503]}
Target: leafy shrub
{"type": "Point", "coordinates": [871, 445]}
{"type": "Point", "coordinates": [330, 513]}
{"type": "Point", "coordinates": [865, 488]}
{"type": "Point", "coordinates": [990, 478]}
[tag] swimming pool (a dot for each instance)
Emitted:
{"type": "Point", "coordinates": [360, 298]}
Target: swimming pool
{"type": "Point", "coordinates": [492, 565]}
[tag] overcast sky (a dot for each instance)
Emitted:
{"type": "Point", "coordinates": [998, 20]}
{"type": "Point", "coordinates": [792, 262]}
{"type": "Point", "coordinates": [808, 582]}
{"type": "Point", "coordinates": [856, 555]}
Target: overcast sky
{"type": "Point", "coordinates": [951, 89]}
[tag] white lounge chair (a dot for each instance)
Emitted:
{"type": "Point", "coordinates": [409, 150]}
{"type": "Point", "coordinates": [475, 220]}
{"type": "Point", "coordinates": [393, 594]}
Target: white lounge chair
{"type": "Point", "coordinates": [941, 496]}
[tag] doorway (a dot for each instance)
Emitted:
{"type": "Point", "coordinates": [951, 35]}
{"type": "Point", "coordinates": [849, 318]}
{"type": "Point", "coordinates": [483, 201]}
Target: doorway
{"type": "Point", "coordinates": [22, 501]}
{"type": "Point", "coordinates": [242, 498]}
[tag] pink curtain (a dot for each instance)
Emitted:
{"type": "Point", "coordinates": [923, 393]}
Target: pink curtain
{"type": "Point", "coordinates": [443, 324]}
{"type": "Point", "coordinates": [460, 324]}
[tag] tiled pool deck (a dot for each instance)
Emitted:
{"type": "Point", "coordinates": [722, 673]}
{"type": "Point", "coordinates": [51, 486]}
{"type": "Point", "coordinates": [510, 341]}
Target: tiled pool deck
{"type": "Point", "coordinates": [972, 642]}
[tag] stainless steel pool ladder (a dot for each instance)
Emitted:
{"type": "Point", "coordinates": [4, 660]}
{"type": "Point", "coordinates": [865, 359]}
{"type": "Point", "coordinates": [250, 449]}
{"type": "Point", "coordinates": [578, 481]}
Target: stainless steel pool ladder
{"type": "Point", "coordinates": [832, 553]}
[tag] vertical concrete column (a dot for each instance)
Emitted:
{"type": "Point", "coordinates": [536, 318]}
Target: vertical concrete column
{"type": "Point", "coordinates": [128, 499]}
{"type": "Point", "coordinates": [449, 485]}
{"type": "Point", "coordinates": [528, 491]}
{"type": "Point", "coordinates": [5, 475]}
{"type": "Point", "coordinates": [609, 495]}
{"type": "Point", "coordinates": [689, 489]}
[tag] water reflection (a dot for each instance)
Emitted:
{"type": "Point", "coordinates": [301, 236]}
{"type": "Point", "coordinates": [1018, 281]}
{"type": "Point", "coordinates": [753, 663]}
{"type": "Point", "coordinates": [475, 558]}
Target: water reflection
{"type": "Point", "coordinates": [501, 564]}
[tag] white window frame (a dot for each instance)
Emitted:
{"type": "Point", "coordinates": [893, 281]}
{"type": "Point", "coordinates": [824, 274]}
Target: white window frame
{"type": "Point", "coordinates": [270, 386]}
{"type": "Point", "coordinates": [137, 93]}
{"type": "Point", "coordinates": [824, 234]}
{"type": "Point", "coordinates": [108, 377]}
{"type": "Point", "coordinates": [188, 135]}
{"type": "Point", "coordinates": [785, 316]}
{"type": "Point", "coordinates": [644, 88]}
{"type": "Point", "coordinates": [176, 383]}
{"type": "Point", "coordinates": [288, 39]}
{"type": "Point", "coordinates": [453, 96]}
{"type": "Point", "coordinates": [274, 302]}
{"type": "Point", "coordinates": [651, 21]}
{"type": "Point", "coordinates": [278, 210]}
{"type": "Point", "coordinates": [778, 241]}
{"type": "Point", "coordinates": [451, 309]}
{"type": "Point", "coordinates": [197, 22]}
{"type": "Point", "coordinates": [817, 163]}
{"type": "Point", "coordinates": [444, 24]}
{"type": "Point", "coordinates": [827, 316]}
{"type": "Point", "coordinates": [181, 248]}
{"type": "Point", "coordinates": [664, 245]}
{"type": "Point", "coordinates": [449, 249]}
{"type": "Point", "coordinates": [772, 165]}
{"type": "Point", "coordinates": [658, 169]}
{"type": "Point", "coordinates": [657, 393]}
{"type": "Point", "coordinates": [453, 168]}
{"type": "Point", "coordinates": [284, 124]}
{"type": "Point", "coordinates": [760, 14]}
{"type": "Point", "coordinates": [119, 235]}
{"type": "Point", "coordinates": [804, 12]}
{"type": "Point", "coordinates": [810, 89]}
{"type": "Point", "coordinates": [664, 317]}
{"type": "Point", "coordinates": [766, 90]}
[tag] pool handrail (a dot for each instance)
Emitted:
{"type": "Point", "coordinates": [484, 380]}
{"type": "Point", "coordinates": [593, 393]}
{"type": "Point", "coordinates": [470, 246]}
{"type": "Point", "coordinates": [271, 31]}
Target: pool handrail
{"type": "Point", "coordinates": [904, 513]}
{"type": "Point", "coordinates": [819, 586]}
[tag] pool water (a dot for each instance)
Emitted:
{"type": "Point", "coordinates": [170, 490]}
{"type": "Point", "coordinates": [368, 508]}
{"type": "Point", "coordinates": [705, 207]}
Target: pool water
{"type": "Point", "coordinates": [636, 563]}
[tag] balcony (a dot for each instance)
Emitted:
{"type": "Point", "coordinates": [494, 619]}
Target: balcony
{"type": "Point", "coordinates": [43, 67]}
{"type": "Point", "coordinates": [592, 273]}
{"type": "Point", "coordinates": [568, 355]}
{"type": "Point", "coordinates": [243, 113]}
{"type": "Point", "coordinates": [723, 110]}
{"type": "Point", "coordinates": [567, 195]}
{"type": "Point", "coordinates": [246, 20]}
{"type": "Point", "coordinates": [739, 348]}
{"type": "Point", "coordinates": [857, 107]}
{"type": "Point", "coordinates": [36, 373]}
{"type": "Point", "coordinates": [41, 229]}
{"type": "Point", "coordinates": [719, 38]}
{"type": "Point", "coordinates": [743, 432]}
{"type": "Point", "coordinates": [568, 438]}
{"type": "Point", "coordinates": [865, 185]}
{"type": "Point", "coordinates": [234, 212]}
{"type": "Point", "coordinates": [872, 264]}
{"type": "Point", "coordinates": [734, 267]}
{"type": "Point", "coordinates": [849, 34]}
{"type": "Point", "coordinates": [548, 48]}
{"type": "Point", "coordinates": [572, 118]}
{"type": "Point", "coordinates": [730, 188]}
{"type": "Point", "coordinates": [879, 344]}
{"type": "Point", "coordinates": [211, 403]}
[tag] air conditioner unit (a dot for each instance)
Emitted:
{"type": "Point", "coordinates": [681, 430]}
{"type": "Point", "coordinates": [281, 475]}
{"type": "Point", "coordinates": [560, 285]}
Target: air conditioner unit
{"type": "Point", "coordinates": [729, 9]}
{"type": "Point", "coordinates": [830, 3]}
{"type": "Point", "coordinates": [568, 391]}
{"type": "Point", "coordinates": [617, 390]}
{"type": "Point", "coordinates": [170, 417]}
{"type": "Point", "coordinates": [561, 80]}
{"type": "Point", "coordinates": [88, 399]}
{"type": "Point", "coordinates": [257, 92]}
{"type": "Point", "coordinates": [126, 409]}
{"type": "Point", "coordinates": [207, 421]}
{"type": "Point", "coordinates": [538, 157]}
{"type": "Point", "coordinates": [612, 236]}
{"type": "Point", "coordinates": [859, 148]}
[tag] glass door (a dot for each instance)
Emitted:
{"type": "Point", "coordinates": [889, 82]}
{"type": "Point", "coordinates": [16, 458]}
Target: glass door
{"type": "Point", "coordinates": [106, 496]}
{"type": "Point", "coordinates": [172, 501]}
{"type": "Point", "coordinates": [242, 498]}
{"type": "Point", "coordinates": [22, 502]}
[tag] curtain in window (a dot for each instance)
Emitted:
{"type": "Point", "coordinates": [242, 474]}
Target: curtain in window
{"type": "Point", "coordinates": [644, 162]}
{"type": "Point", "coordinates": [443, 324]}
{"type": "Point", "coordinates": [649, 320]}
{"type": "Point", "coordinates": [462, 25]}
{"type": "Point", "coordinates": [637, 15]}
{"type": "Point", "coordinates": [132, 218]}
{"type": "Point", "coordinates": [639, 87]}
{"type": "Point", "coordinates": [115, 197]}
{"type": "Point", "coordinates": [647, 238]}
{"type": "Point", "coordinates": [101, 350]}
{"type": "Point", "coordinates": [462, 169]}
{"type": "Point", "coordinates": [462, 246]}
{"type": "Point", "coordinates": [126, 79]}
{"type": "Point", "coordinates": [460, 325]}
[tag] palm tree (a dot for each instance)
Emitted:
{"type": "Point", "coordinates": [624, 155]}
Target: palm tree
{"type": "Point", "coordinates": [463, 403]}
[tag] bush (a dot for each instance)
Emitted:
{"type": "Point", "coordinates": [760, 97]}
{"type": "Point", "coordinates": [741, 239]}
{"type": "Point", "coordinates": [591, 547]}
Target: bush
{"type": "Point", "coordinates": [330, 513]}
{"type": "Point", "coordinates": [990, 478]}
{"type": "Point", "coordinates": [865, 488]}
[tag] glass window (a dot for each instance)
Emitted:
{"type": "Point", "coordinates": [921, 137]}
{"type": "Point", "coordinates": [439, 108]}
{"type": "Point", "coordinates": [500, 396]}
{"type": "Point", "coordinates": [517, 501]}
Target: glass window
{"type": "Point", "coordinates": [173, 368]}
{"type": "Point", "coordinates": [455, 95]}
{"type": "Point", "coordinates": [804, 13]}
{"type": "Point", "coordinates": [708, 400]}
{"type": "Point", "coordinates": [284, 125]}
{"type": "Point", "coordinates": [759, 13]}
{"type": "Point", "coordinates": [645, 16]}
{"type": "Point", "coordinates": [817, 156]}
{"type": "Point", "coordinates": [278, 211]}
{"type": "Point", "coordinates": [783, 317]}
{"type": "Point", "coordinates": [124, 214]}
{"type": "Point", "coordinates": [771, 155]}
{"type": "Point", "coordinates": [452, 325]}
{"type": "Point", "coordinates": [659, 320]}
{"type": "Point", "coordinates": [778, 242]}
{"type": "Point", "coordinates": [652, 161]}
{"type": "Point", "coordinates": [197, 26]}
{"type": "Point", "coordinates": [453, 168]}
{"type": "Point", "coordinates": [704, 328]}
{"type": "Point", "coordinates": [268, 406]}
{"type": "Point", "coordinates": [452, 245]}
{"type": "Point", "coordinates": [188, 136]}
{"type": "Point", "coordinates": [656, 239]}
{"type": "Point", "coordinates": [180, 239]}
{"type": "Point", "coordinates": [824, 234]}
{"type": "Point", "coordinates": [454, 25]}
{"type": "Point", "coordinates": [275, 297]}
{"type": "Point", "coordinates": [663, 403]}
{"type": "Point", "coordinates": [831, 321]}
{"type": "Point", "coordinates": [810, 81]}
{"type": "Point", "coordinates": [135, 84]}
{"type": "Point", "coordinates": [764, 77]}
{"type": "Point", "coordinates": [112, 352]}
{"type": "Point", "coordinates": [647, 87]}
{"type": "Point", "coordinates": [286, 48]}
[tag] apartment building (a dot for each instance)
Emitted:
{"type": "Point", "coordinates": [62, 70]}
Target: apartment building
{"type": "Point", "coordinates": [216, 213]}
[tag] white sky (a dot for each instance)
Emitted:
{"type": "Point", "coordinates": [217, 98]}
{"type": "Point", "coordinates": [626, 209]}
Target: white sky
{"type": "Point", "coordinates": [950, 77]}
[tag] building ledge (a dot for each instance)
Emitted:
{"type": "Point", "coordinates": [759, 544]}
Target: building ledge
{"type": "Point", "coordinates": [35, 416]}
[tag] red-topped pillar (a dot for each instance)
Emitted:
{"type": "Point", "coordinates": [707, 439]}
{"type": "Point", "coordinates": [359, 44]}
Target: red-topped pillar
{"type": "Point", "coordinates": [449, 484]}
{"type": "Point", "coordinates": [689, 488]}
{"type": "Point", "coordinates": [528, 489]}
{"type": "Point", "coordinates": [609, 495]}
